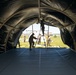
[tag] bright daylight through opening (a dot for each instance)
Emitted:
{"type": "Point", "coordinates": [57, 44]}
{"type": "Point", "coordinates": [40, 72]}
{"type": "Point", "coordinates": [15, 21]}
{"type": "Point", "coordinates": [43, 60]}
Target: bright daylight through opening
{"type": "Point", "coordinates": [54, 39]}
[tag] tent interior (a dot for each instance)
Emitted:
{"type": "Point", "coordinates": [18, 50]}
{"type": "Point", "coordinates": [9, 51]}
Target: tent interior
{"type": "Point", "coordinates": [17, 15]}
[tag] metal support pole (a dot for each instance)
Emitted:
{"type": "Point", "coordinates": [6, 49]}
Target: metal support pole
{"type": "Point", "coordinates": [39, 9]}
{"type": "Point", "coordinates": [48, 36]}
{"type": "Point", "coordinates": [32, 28]}
{"type": "Point", "coordinates": [48, 30]}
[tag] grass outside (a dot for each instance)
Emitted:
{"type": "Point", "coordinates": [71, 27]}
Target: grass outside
{"type": "Point", "coordinates": [56, 42]}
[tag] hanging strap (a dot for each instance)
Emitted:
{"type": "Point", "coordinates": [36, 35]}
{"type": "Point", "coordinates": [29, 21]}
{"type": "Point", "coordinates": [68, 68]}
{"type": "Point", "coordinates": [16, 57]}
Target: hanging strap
{"type": "Point", "coordinates": [42, 26]}
{"type": "Point", "coordinates": [41, 20]}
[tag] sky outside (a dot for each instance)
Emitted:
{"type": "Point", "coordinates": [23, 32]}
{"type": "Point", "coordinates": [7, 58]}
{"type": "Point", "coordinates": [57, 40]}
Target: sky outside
{"type": "Point", "coordinates": [36, 27]}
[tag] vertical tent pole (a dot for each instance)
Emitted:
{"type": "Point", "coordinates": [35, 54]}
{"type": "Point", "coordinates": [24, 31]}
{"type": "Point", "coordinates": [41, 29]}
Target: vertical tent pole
{"type": "Point", "coordinates": [48, 30]}
{"type": "Point", "coordinates": [39, 9]}
{"type": "Point", "coordinates": [32, 28]}
{"type": "Point", "coordinates": [48, 36]}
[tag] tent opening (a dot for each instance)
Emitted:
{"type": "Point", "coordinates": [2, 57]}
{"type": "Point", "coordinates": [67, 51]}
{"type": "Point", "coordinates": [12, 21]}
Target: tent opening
{"type": "Point", "coordinates": [51, 38]}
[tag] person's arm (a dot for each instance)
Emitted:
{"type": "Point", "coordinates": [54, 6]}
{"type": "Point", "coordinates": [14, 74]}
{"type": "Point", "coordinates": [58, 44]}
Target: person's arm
{"type": "Point", "coordinates": [34, 37]}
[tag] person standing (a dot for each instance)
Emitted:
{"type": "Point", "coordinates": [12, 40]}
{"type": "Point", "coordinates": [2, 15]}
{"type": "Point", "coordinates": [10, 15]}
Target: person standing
{"type": "Point", "coordinates": [48, 41]}
{"type": "Point", "coordinates": [39, 38]}
{"type": "Point", "coordinates": [19, 43]}
{"type": "Point", "coordinates": [31, 41]}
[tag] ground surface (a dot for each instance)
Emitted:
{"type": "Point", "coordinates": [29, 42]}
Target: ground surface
{"type": "Point", "coordinates": [39, 61]}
